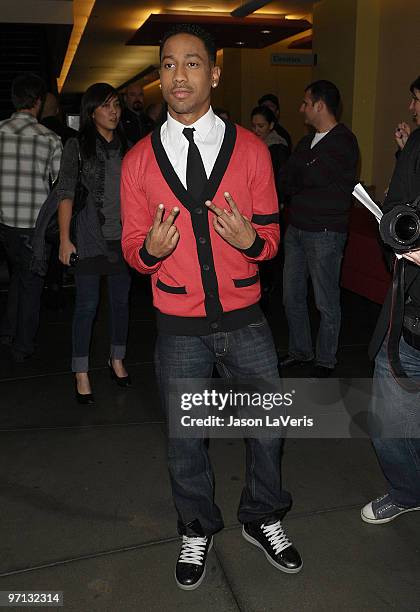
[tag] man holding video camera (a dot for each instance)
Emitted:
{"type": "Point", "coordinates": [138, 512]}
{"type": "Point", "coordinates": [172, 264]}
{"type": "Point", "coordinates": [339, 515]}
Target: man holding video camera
{"type": "Point", "coordinates": [396, 341]}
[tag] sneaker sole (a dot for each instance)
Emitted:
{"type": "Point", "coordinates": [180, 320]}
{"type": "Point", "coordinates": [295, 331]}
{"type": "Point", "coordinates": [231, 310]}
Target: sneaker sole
{"type": "Point", "coordinates": [186, 587]}
{"type": "Point", "coordinates": [251, 540]}
{"type": "Point", "coordinates": [366, 519]}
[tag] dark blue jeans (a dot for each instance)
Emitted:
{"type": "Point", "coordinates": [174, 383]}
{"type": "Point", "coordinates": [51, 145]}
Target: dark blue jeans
{"type": "Point", "coordinates": [395, 410]}
{"type": "Point", "coordinates": [21, 319]}
{"type": "Point", "coordinates": [245, 352]}
{"type": "Point", "coordinates": [87, 298]}
{"type": "Point", "coordinates": [318, 255]}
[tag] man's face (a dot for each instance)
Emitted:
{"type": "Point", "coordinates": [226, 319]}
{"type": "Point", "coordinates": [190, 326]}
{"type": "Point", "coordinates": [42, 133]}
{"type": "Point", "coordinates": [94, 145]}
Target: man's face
{"type": "Point", "coordinates": [135, 98]}
{"type": "Point", "coordinates": [187, 77]}
{"type": "Point", "coordinates": [415, 106]}
{"type": "Point", "coordinates": [308, 109]}
{"type": "Point", "coordinates": [272, 107]}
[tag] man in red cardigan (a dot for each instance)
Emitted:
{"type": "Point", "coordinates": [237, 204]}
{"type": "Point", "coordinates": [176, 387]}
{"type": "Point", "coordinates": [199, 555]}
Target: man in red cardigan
{"type": "Point", "coordinates": [199, 212]}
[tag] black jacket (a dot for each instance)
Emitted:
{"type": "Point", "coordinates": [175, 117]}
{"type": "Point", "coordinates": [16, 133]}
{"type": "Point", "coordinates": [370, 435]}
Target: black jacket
{"type": "Point", "coordinates": [320, 181]}
{"type": "Point", "coordinates": [404, 188]}
{"type": "Point", "coordinates": [281, 131]}
{"type": "Point", "coordinates": [135, 126]}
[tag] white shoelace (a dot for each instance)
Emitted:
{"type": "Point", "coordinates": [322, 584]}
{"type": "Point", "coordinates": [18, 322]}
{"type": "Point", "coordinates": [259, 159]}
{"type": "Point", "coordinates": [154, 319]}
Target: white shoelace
{"type": "Point", "coordinates": [276, 536]}
{"type": "Point", "coordinates": [192, 550]}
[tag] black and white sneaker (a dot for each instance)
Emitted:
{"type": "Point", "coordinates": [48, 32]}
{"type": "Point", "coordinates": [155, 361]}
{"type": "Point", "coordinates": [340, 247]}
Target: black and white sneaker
{"type": "Point", "coordinates": [383, 510]}
{"type": "Point", "coordinates": [275, 544]}
{"type": "Point", "coordinates": [191, 565]}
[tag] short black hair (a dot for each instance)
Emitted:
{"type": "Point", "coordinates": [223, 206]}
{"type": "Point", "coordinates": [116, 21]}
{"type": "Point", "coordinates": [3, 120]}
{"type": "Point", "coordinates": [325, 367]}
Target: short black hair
{"type": "Point", "coordinates": [193, 30]}
{"type": "Point", "coordinates": [415, 85]}
{"type": "Point", "coordinates": [328, 93]}
{"type": "Point", "coordinates": [266, 112]}
{"type": "Point", "coordinates": [26, 90]}
{"type": "Point", "coordinates": [269, 98]}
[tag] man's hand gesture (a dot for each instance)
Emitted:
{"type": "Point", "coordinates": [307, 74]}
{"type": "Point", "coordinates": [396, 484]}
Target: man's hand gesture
{"type": "Point", "coordinates": [232, 226]}
{"type": "Point", "coordinates": [163, 236]}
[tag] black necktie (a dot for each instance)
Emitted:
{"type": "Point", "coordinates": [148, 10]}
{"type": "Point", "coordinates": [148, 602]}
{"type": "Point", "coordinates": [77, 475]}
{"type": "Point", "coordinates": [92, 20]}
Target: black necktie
{"type": "Point", "coordinates": [196, 174]}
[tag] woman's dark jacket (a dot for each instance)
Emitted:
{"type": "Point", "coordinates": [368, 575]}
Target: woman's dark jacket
{"type": "Point", "coordinates": [89, 235]}
{"type": "Point", "coordinates": [404, 188]}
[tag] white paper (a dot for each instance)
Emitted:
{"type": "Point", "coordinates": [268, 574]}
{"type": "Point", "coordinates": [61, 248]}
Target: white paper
{"type": "Point", "coordinates": [362, 195]}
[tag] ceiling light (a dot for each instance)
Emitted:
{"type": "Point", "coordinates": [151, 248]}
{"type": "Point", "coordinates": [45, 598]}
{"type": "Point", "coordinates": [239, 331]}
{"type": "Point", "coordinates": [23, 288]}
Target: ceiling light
{"type": "Point", "coordinates": [239, 42]}
{"type": "Point", "coordinates": [249, 7]}
{"type": "Point", "coordinates": [265, 31]}
{"type": "Point", "coordinates": [293, 17]}
{"type": "Point", "coordinates": [199, 7]}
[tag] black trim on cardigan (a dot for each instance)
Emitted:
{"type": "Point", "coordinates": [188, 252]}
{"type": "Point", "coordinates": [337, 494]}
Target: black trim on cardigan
{"type": "Point", "coordinates": [169, 288]}
{"type": "Point", "coordinates": [200, 215]}
{"type": "Point", "coordinates": [214, 180]}
{"type": "Point", "coordinates": [256, 247]}
{"type": "Point", "coordinates": [246, 282]}
{"type": "Point", "coordinates": [149, 260]}
{"type": "Point", "coordinates": [266, 219]}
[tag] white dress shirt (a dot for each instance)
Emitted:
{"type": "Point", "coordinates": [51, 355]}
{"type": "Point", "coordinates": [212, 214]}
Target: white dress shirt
{"type": "Point", "coordinates": [208, 136]}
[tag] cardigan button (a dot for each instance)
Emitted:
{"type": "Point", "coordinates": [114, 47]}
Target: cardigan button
{"type": "Point", "coordinates": [206, 267]}
{"type": "Point", "coordinates": [214, 325]}
{"type": "Point", "coordinates": [202, 240]}
{"type": "Point", "coordinates": [198, 210]}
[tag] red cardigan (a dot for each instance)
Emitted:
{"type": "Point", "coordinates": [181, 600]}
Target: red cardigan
{"type": "Point", "coordinates": [205, 284]}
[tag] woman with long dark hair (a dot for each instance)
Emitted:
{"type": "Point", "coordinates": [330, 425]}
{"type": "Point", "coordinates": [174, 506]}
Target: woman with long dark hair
{"type": "Point", "coordinates": [94, 157]}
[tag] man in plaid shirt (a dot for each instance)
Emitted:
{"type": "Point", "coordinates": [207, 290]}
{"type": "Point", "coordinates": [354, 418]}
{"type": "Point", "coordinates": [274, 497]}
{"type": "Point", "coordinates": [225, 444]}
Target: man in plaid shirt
{"type": "Point", "coordinates": [29, 161]}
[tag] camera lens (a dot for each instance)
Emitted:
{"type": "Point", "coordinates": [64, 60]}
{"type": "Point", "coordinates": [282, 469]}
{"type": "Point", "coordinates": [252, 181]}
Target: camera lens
{"type": "Point", "coordinates": [406, 228]}
{"type": "Point", "coordinates": [400, 227]}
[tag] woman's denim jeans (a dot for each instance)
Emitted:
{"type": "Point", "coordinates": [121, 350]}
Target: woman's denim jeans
{"type": "Point", "coordinates": [87, 298]}
{"type": "Point", "coordinates": [318, 255]}
{"type": "Point", "coordinates": [395, 426]}
{"type": "Point", "coordinates": [245, 352]}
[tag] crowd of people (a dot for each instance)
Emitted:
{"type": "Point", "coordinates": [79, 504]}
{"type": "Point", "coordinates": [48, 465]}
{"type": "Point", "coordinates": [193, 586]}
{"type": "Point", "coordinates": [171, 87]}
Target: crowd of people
{"type": "Point", "coordinates": [188, 197]}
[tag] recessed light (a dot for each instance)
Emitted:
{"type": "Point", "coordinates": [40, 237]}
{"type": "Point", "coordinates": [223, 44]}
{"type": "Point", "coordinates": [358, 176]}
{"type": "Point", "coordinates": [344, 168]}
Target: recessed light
{"type": "Point", "coordinates": [239, 42]}
{"type": "Point", "coordinates": [265, 31]}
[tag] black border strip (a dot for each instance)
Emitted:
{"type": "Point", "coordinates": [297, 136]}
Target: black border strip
{"type": "Point", "coordinates": [266, 219]}
{"type": "Point", "coordinates": [246, 282]}
{"type": "Point", "coordinates": [168, 288]}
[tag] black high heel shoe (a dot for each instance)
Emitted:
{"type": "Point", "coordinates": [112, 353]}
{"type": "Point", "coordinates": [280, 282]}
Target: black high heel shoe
{"type": "Point", "coordinates": [83, 398]}
{"type": "Point", "coordinates": [122, 381]}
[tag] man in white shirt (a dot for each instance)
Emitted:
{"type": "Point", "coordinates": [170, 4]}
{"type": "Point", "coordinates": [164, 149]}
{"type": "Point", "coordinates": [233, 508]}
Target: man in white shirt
{"type": "Point", "coordinates": [204, 269]}
{"type": "Point", "coordinates": [319, 177]}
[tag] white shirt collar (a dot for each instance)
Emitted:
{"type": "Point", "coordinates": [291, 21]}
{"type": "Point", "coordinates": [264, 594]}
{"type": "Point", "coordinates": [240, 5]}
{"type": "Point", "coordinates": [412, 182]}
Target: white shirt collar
{"type": "Point", "coordinates": [202, 127]}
